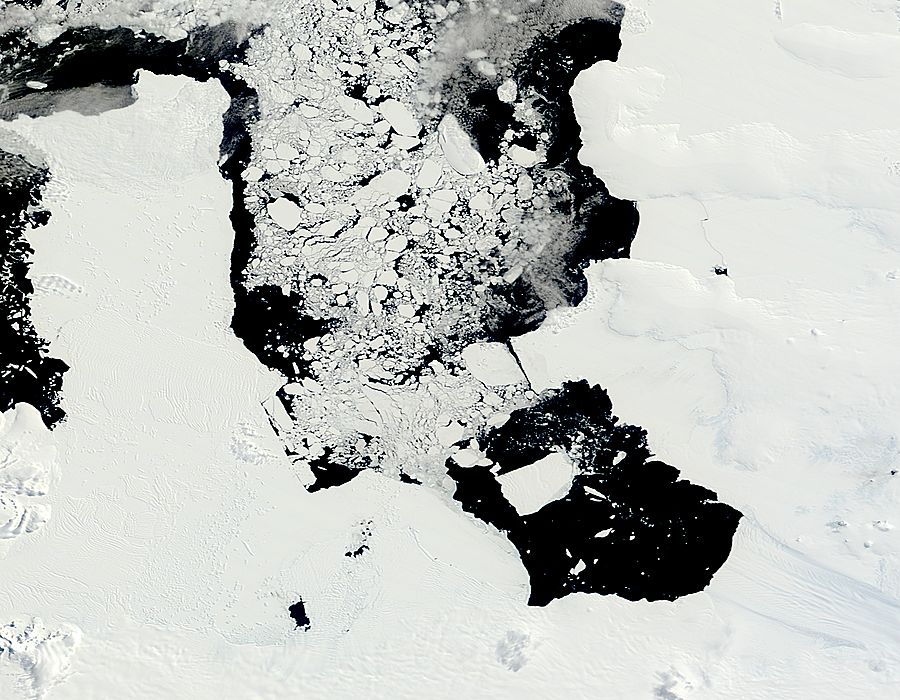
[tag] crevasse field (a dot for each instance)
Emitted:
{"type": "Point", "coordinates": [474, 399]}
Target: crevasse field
{"type": "Point", "coordinates": [160, 533]}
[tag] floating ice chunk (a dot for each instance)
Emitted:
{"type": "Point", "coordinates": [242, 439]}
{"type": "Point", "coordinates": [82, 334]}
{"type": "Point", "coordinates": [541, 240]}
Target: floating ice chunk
{"type": "Point", "coordinates": [457, 147]}
{"type": "Point", "coordinates": [350, 276]}
{"type": "Point", "coordinates": [277, 412]}
{"type": "Point", "coordinates": [362, 228]}
{"type": "Point", "coordinates": [486, 68]}
{"type": "Point", "coordinates": [362, 301]}
{"type": "Point", "coordinates": [284, 213]}
{"type": "Point", "coordinates": [579, 567]}
{"type": "Point", "coordinates": [467, 457]}
{"type": "Point", "coordinates": [507, 91]}
{"type": "Point", "coordinates": [397, 243]}
{"type": "Point", "coordinates": [450, 433]}
{"type": "Point", "coordinates": [485, 244]}
{"type": "Point", "coordinates": [524, 187]}
{"type": "Point", "coordinates": [330, 228]}
{"type": "Point", "coordinates": [429, 174]}
{"type": "Point", "coordinates": [397, 13]}
{"type": "Point", "coordinates": [523, 156]}
{"type": "Point", "coordinates": [405, 142]}
{"type": "Point", "coordinates": [388, 278]}
{"type": "Point", "coordinates": [513, 274]}
{"type": "Point", "coordinates": [356, 109]}
{"type": "Point", "coordinates": [384, 187]}
{"type": "Point", "coordinates": [481, 201]}
{"type": "Point", "coordinates": [329, 172]}
{"type": "Point", "coordinates": [498, 419]}
{"type": "Point", "coordinates": [377, 234]}
{"type": "Point", "coordinates": [302, 52]}
{"type": "Point", "coordinates": [399, 117]}
{"type": "Point", "coordinates": [530, 488]}
{"type": "Point", "coordinates": [443, 200]}
{"type": "Point", "coordinates": [286, 152]}
{"type": "Point", "coordinates": [35, 84]}
{"type": "Point", "coordinates": [252, 174]}
{"type": "Point", "coordinates": [492, 364]}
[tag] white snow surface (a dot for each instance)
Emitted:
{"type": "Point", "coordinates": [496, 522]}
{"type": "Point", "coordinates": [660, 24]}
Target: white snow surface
{"type": "Point", "coordinates": [761, 137]}
{"type": "Point", "coordinates": [42, 657]}
{"type": "Point", "coordinates": [27, 457]}
{"type": "Point", "coordinates": [180, 534]}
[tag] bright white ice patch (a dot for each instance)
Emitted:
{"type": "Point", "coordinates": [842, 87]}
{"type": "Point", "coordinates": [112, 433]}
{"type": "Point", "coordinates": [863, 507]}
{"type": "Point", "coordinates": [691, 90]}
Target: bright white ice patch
{"type": "Point", "coordinates": [458, 148]}
{"type": "Point", "coordinates": [492, 364]}
{"type": "Point", "coordinates": [399, 117]}
{"type": "Point", "coordinates": [284, 213]}
{"type": "Point", "coordinates": [27, 456]}
{"type": "Point", "coordinates": [531, 488]}
{"type": "Point", "coordinates": [41, 656]}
